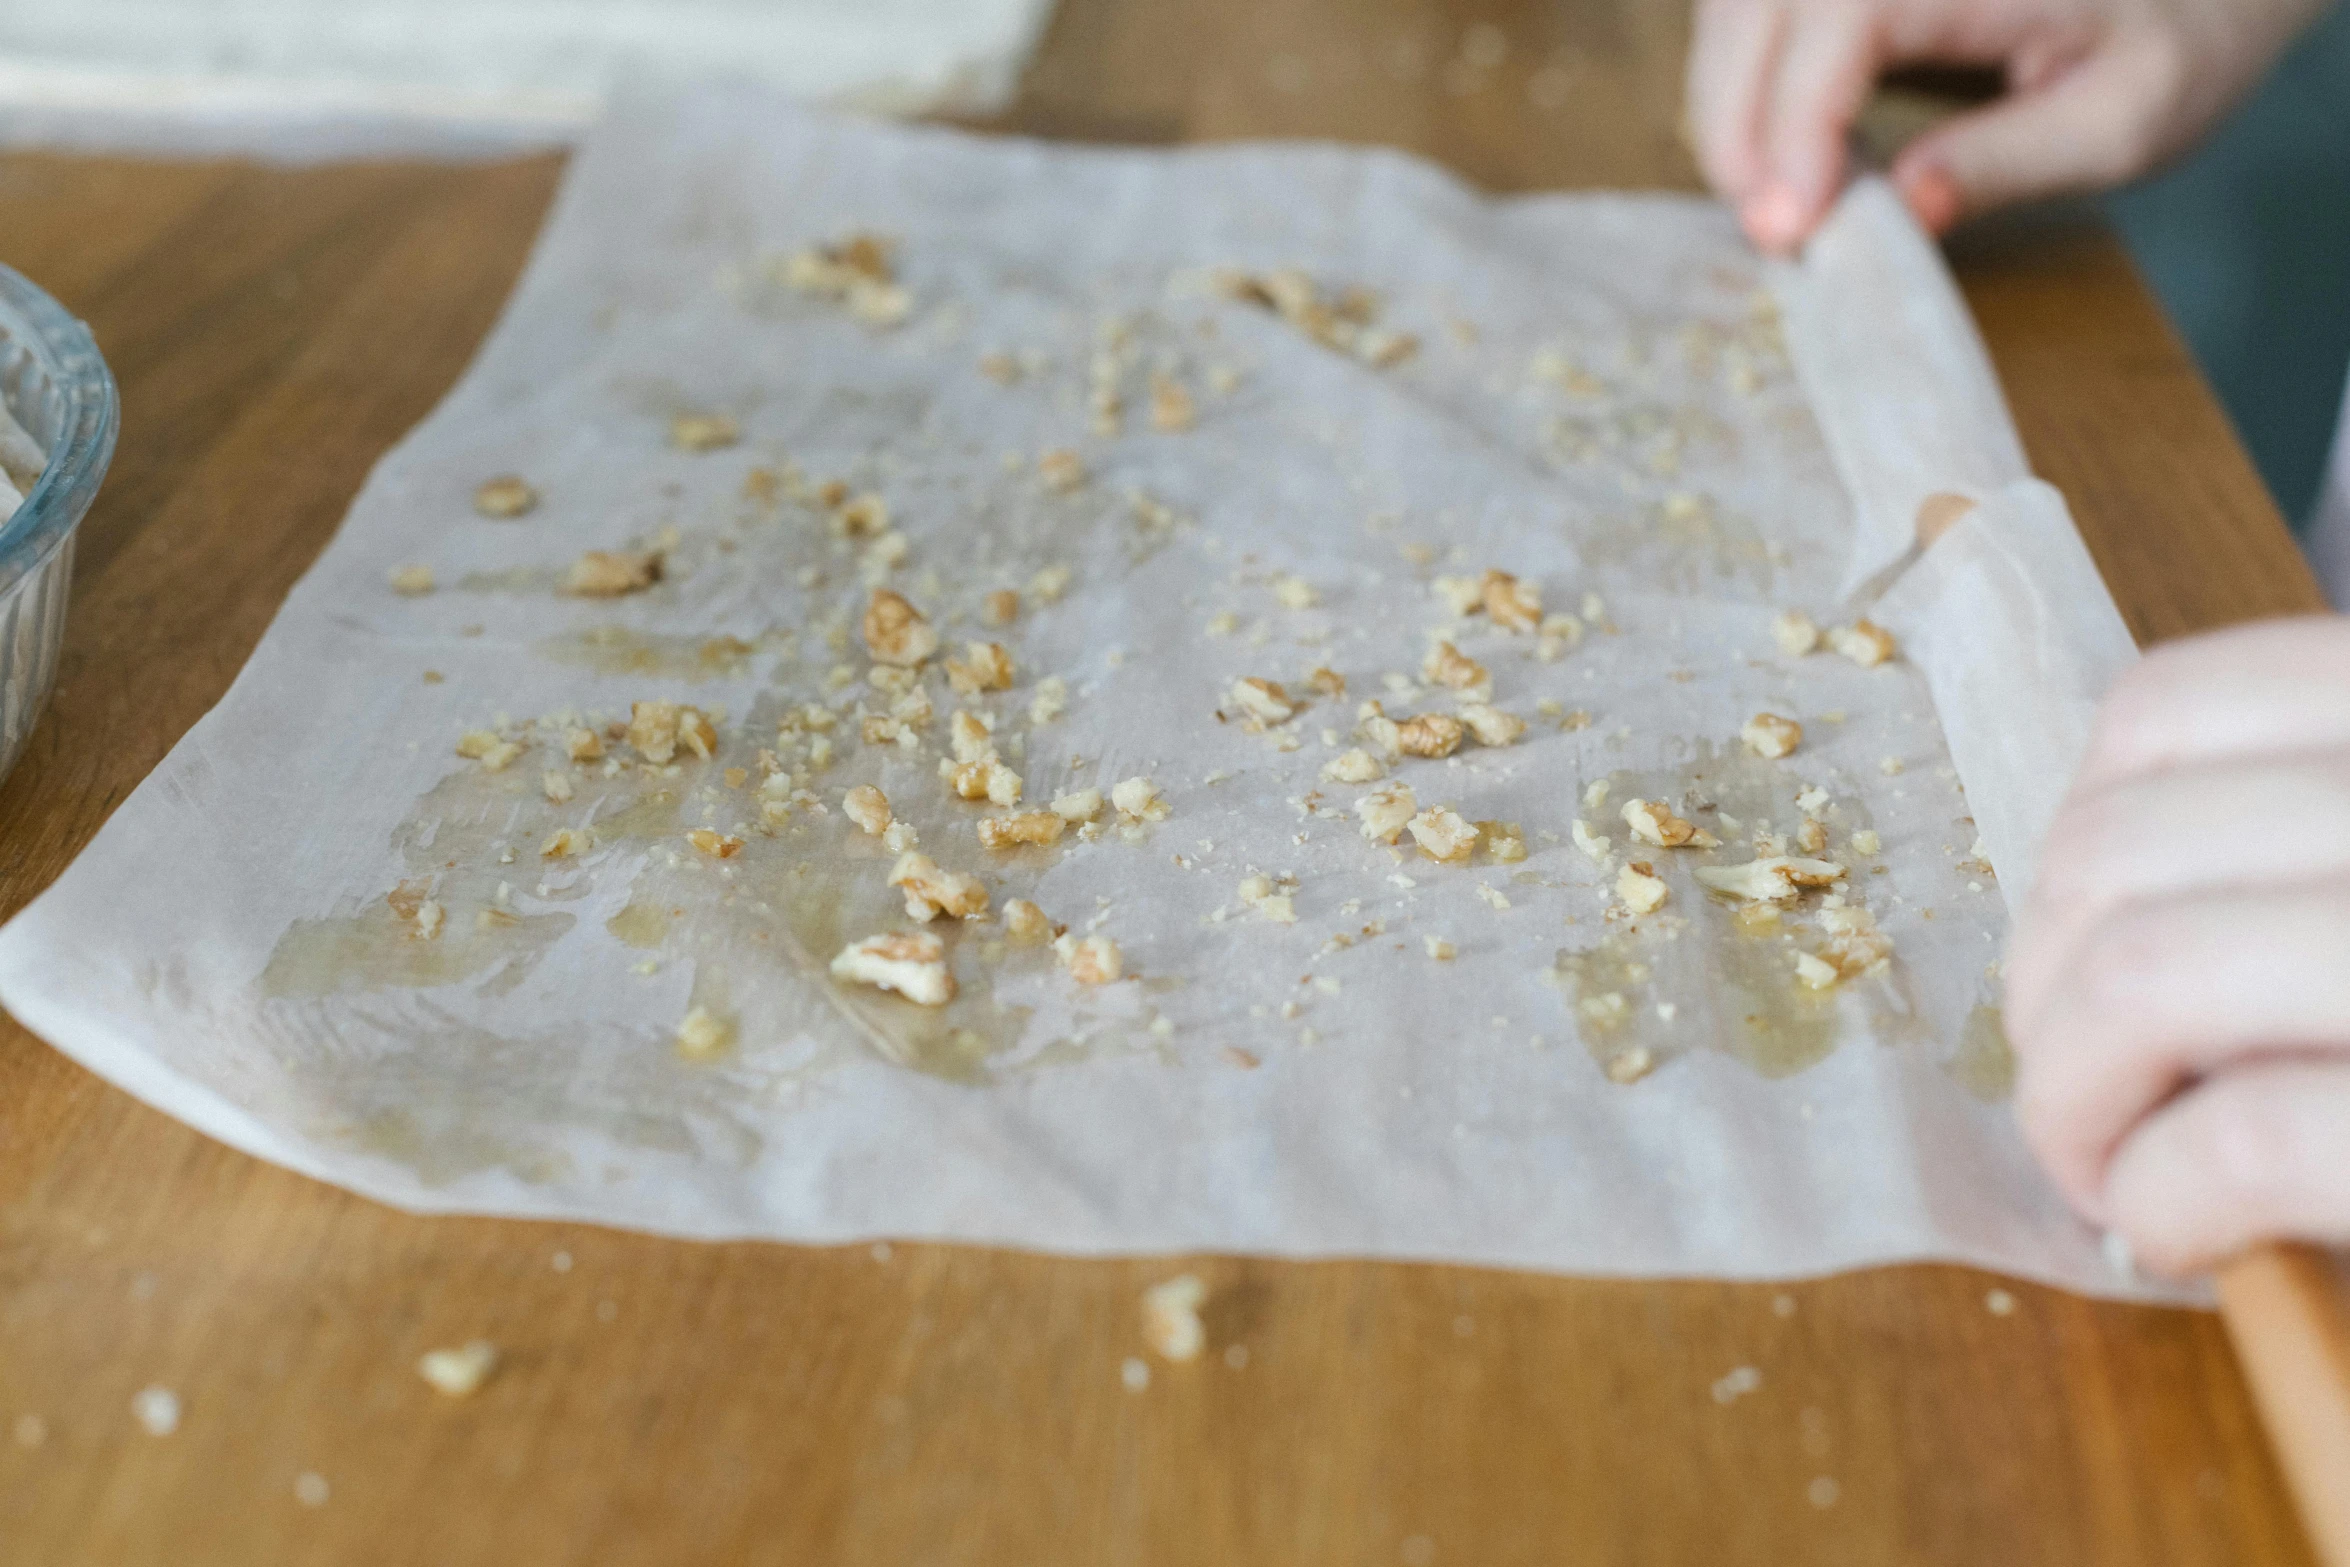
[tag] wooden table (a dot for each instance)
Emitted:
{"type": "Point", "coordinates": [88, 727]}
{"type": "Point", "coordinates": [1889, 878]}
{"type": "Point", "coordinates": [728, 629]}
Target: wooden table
{"type": "Point", "coordinates": [275, 329]}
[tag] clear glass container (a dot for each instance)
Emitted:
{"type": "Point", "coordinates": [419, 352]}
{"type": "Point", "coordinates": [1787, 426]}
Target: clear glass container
{"type": "Point", "coordinates": [60, 390]}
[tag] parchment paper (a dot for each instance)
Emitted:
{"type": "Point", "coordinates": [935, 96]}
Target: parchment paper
{"type": "Point", "coordinates": [1602, 401]}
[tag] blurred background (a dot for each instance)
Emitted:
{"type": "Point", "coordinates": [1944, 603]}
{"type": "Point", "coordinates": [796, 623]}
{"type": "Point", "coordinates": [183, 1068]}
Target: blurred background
{"type": "Point", "coordinates": [2248, 243]}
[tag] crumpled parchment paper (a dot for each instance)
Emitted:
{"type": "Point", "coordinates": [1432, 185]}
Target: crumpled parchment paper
{"type": "Point", "coordinates": [1491, 1062]}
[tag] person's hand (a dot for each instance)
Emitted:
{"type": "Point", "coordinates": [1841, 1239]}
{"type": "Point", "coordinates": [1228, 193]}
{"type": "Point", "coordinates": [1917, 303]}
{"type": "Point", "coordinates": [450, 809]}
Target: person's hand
{"type": "Point", "coordinates": [2099, 91]}
{"type": "Point", "coordinates": [2178, 990]}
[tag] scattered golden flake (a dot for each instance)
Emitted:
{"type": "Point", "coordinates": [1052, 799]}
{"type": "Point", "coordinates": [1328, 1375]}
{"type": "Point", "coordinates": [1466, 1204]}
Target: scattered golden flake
{"type": "Point", "coordinates": [1505, 842]}
{"type": "Point", "coordinates": [894, 630]}
{"type": "Point", "coordinates": [1864, 642]}
{"type": "Point", "coordinates": [1354, 767]}
{"type": "Point", "coordinates": [411, 581]}
{"type": "Point", "coordinates": [430, 917]}
{"type": "Point", "coordinates": [1772, 879]}
{"type": "Point", "coordinates": [931, 892]}
{"type": "Point", "coordinates": [564, 843]}
{"type": "Point", "coordinates": [703, 432]}
{"type": "Point", "coordinates": [1385, 813]}
{"type": "Point", "coordinates": [1866, 841]}
{"type": "Point", "coordinates": [716, 844]}
{"type": "Point", "coordinates": [1346, 323]}
{"type": "Point", "coordinates": [911, 963]}
{"type": "Point", "coordinates": [1171, 406]}
{"type": "Point", "coordinates": [583, 745]}
{"type": "Point", "coordinates": [1327, 682]}
{"type": "Point", "coordinates": [859, 272]}
{"type": "Point", "coordinates": [1026, 924]}
{"type": "Point", "coordinates": [606, 574]}
{"type": "Point", "coordinates": [1812, 837]}
{"type": "Point", "coordinates": [506, 496]}
{"type": "Point", "coordinates": [1491, 725]}
{"type": "Point", "coordinates": [1770, 736]}
{"type": "Point", "coordinates": [984, 666]}
{"type": "Point", "coordinates": [1511, 604]}
{"type": "Point", "coordinates": [1429, 735]}
{"type": "Point", "coordinates": [1447, 665]}
{"type": "Point", "coordinates": [1061, 469]}
{"type": "Point", "coordinates": [1438, 948]}
{"type": "Point", "coordinates": [1078, 805]}
{"type": "Point", "coordinates": [460, 1372]}
{"type": "Point", "coordinates": [1262, 700]}
{"type": "Point", "coordinates": [1094, 961]}
{"type": "Point", "coordinates": [1170, 1317]}
{"type": "Point", "coordinates": [1443, 834]}
{"type": "Point", "coordinates": [868, 807]}
{"type": "Point", "coordinates": [1029, 827]}
{"type": "Point", "coordinates": [658, 730]}
{"type": "Point", "coordinates": [1140, 800]}
{"type": "Point", "coordinates": [1642, 890]}
{"type": "Point", "coordinates": [556, 787]}
{"type": "Point", "coordinates": [1653, 823]}
{"type": "Point", "coordinates": [1795, 633]}
{"type": "Point", "coordinates": [489, 748]}
{"type": "Point", "coordinates": [1855, 942]}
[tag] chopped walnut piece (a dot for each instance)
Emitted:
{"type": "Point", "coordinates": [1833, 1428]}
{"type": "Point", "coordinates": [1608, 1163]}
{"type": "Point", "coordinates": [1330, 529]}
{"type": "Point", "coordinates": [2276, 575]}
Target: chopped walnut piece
{"type": "Point", "coordinates": [1447, 665]}
{"type": "Point", "coordinates": [1438, 948]}
{"type": "Point", "coordinates": [564, 843]}
{"type": "Point", "coordinates": [1171, 406]}
{"type": "Point", "coordinates": [1595, 846]}
{"type": "Point", "coordinates": [1001, 607]}
{"type": "Point", "coordinates": [717, 844]}
{"type": "Point", "coordinates": [703, 432]}
{"type": "Point", "coordinates": [972, 736]}
{"type": "Point", "coordinates": [1354, 767]}
{"type": "Point", "coordinates": [857, 272]}
{"type": "Point", "coordinates": [1430, 734]}
{"type": "Point", "coordinates": [1653, 823]}
{"type": "Point", "coordinates": [430, 916]}
{"type": "Point", "coordinates": [658, 729]}
{"type": "Point", "coordinates": [702, 1035]}
{"type": "Point", "coordinates": [583, 745]}
{"type": "Point", "coordinates": [1296, 592]}
{"type": "Point", "coordinates": [1795, 633]}
{"type": "Point", "coordinates": [1443, 834]}
{"type": "Point", "coordinates": [1051, 700]}
{"type": "Point", "coordinates": [984, 666]}
{"type": "Point", "coordinates": [1855, 944]}
{"type": "Point", "coordinates": [1094, 961]}
{"type": "Point", "coordinates": [1491, 725]}
{"type": "Point", "coordinates": [1864, 642]}
{"type": "Point", "coordinates": [1812, 836]}
{"type": "Point", "coordinates": [1866, 841]}
{"type": "Point", "coordinates": [556, 786]}
{"type": "Point", "coordinates": [1386, 812]}
{"type": "Point", "coordinates": [1029, 827]}
{"type": "Point", "coordinates": [1770, 736]}
{"type": "Point", "coordinates": [867, 516]}
{"type": "Point", "coordinates": [1078, 805]}
{"type": "Point", "coordinates": [1327, 682]}
{"type": "Point", "coordinates": [931, 892]}
{"type": "Point", "coordinates": [1630, 1066]}
{"type": "Point", "coordinates": [506, 496]}
{"type": "Point", "coordinates": [912, 963]}
{"type": "Point", "coordinates": [1815, 973]}
{"type": "Point", "coordinates": [1509, 603]}
{"type": "Point", "coordinates": [1505, 842]}
{"type": "Point", "coordinates": [1463, 596]}
{"type": "Point", "coordinates": [1772, 879]}
{"type": "Point", "coordinates": [1263, 700]}
{"type": "Point", "coordinates": [1642, 890]}
{"type": "Point", "coordinates": [489, 748]}
{"type": "Point", "coordinates": [1140, 799]}
{"type": "Point", "coordinates": [1170, 1317]}
{"type": "Point", "coordinates": [1061, 469]}
{"type": "Point", "coordinates": [411, 581]}
{"type": "Point", "coordinates": [1049, 583]}
{"type": "Point", "coordinates": [895, 632]}
{"type": "Point", "coordinates": [607, 574]}
{"type": "Point", "coordinates": [1026, 924]}
{"type": "Point", "coordinates": [868, 807]}
{"type": "Point", "coordinates": [1264, 895]}
{"type": "Point", "coordinates": [456, 1373]}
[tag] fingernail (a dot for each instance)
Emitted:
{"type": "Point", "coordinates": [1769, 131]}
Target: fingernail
{"type": "Point", "coordinates": [1775, 217]}
{"type": "Point", "coordinates": [1933, 196]}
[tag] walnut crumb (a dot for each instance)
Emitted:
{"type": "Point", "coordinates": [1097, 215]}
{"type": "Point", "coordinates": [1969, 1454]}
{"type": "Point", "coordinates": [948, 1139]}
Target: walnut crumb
{"type": "Point", "coordinates": [556, 787]}
{"type": "Point", "coordinates": [506, 496]}
{"type": "Point", "coordinates": [1170, 1317]}
{"type": "Point", "coordinates": [489, 748]}
{"type": "Point", "coordinates": [1385, 813]}
{"type": "Point", "coordinates": [1438, 948]}
{"type": "Point", "coordinates": [1001, 607]}
{"type": "Point", "coordinates": [1026, 924]}
{"type": "Point", "coordinates": [702, 1035]}
{"type": "Point", "coordinates": [1866, 841]}
{"type": "Point", "coordinates": [1327, 682]}
{"type": "Point", "coordinates": [564, 843]}
{"type": "Point", "coordinates": [1078, 805]}
{"type": "Point", "coordinates": [1771, 879]}
{"type": "Point", "coordinates": [911, 963]}
{"type": "Point", "coordinates": [984, 666]}
{"type": "Point", "coordinates": [1029, 827]}
{"type": "Point", "coordinates": [859, 272]}
{"type": "Point", "coordinates": [895, 632]}
{"type": "Point", "coordinates": [1631, 1065]}
{"type": "Point", "coordinates": [1262, 700]}
{"type": "Point", "coordinates": [411, 581]}
{"type": "Point", "coordinates": [1595, 846]}
{"type": "Point", "coordinates": [1653, 823]}
{"type": "Point", "coordinates": [1354, 767]}
{"type": "Point", "coordinates": [1463, 596]}
{"type": "Point", "coordinates": [1172, 410]}
{"type": "Point", "coordinates": [931, 892]}
{"type": "Point", "coordinates": [1430, 735]}
{"type": "Point", "coordinates": [868, 807]}
{"type": "Point", "coordinates": [716, 844]}
{"type": "Point", "coordinates": [606, 574]}
{"type": "Point", "coordinates": [1864, 642]}
{"type": "Point", "coordinates": [430, 917]}
{"type": "Point", "coordinates": [658, 730]}
{"type": "Point", "coordinates": [1642, 890]}
{"type": "Point", "coordinates": [1443, 834]}
{"type": "Point", "coordinates": [583, 745]}
{"type": "Point", "coordinates": [1447, 665]}
{"type": "Point", "coordinates": [1815, 973]}
{"type": "Point", "coordinates": [1812, 836]}
{"type": "Point", "coordinates": [1770, 736]}
{"type": "Point", "coordinates": [1094, 961]}
{"type": "Point", "coordinates": [457, 1373]}
{"type": "Point", "coordinates": [1296, 592]}
{"type": "Point", "coordinates": [1491, 725]}
{"type": "Point", "coordinates": [1139, 799]}
{"type": "Point", "coordinates": [1795, 633]}
{"type": "Point", "coordinates": [1512, 604]}
{"type": "Point", "coordinates": [1061, 469]}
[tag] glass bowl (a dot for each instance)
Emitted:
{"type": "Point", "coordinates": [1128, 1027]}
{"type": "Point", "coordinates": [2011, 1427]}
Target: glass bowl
{"type": "Point", "coordinates": [60, 390]}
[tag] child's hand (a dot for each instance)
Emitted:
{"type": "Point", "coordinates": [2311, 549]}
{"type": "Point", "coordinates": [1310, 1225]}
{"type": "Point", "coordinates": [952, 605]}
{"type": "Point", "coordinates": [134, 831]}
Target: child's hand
{"type": "Point", "coordinates": [2100, 91]}
{"type": "Point", "coordinates": [2178, 992]}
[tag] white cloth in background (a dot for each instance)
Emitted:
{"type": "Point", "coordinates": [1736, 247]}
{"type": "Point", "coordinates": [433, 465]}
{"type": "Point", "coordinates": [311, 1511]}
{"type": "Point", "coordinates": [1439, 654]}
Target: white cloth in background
{"type": "Point", "coordinates": [311, 79]}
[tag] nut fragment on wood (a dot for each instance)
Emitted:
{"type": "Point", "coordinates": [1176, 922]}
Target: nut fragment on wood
{"type": "Point", "coordinates": [506, 496]}
{"type": "Point", "coordinates": [1170, 1317]}
{"type": "Point", "coordinates": [456, 1373]}
{"type": "Point", "coordinates": [911, 963]}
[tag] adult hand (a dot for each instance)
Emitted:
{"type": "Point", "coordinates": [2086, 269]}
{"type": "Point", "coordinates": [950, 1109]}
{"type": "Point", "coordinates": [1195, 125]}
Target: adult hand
{"type": "Point", "coordinates": [2178, 990]}
{"type": "Point", "coordinates": [2099, 91]}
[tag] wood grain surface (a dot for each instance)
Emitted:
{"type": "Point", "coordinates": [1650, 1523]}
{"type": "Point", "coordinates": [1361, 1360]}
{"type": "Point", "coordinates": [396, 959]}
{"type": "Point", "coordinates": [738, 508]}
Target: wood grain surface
{"type": "Point", "coordinates": [275, 329]}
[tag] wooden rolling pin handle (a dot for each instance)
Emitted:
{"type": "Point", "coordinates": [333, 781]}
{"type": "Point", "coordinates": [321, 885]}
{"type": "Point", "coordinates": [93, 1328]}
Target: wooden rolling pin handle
{"type": "Point", "coordinates": [2285, 1312]}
